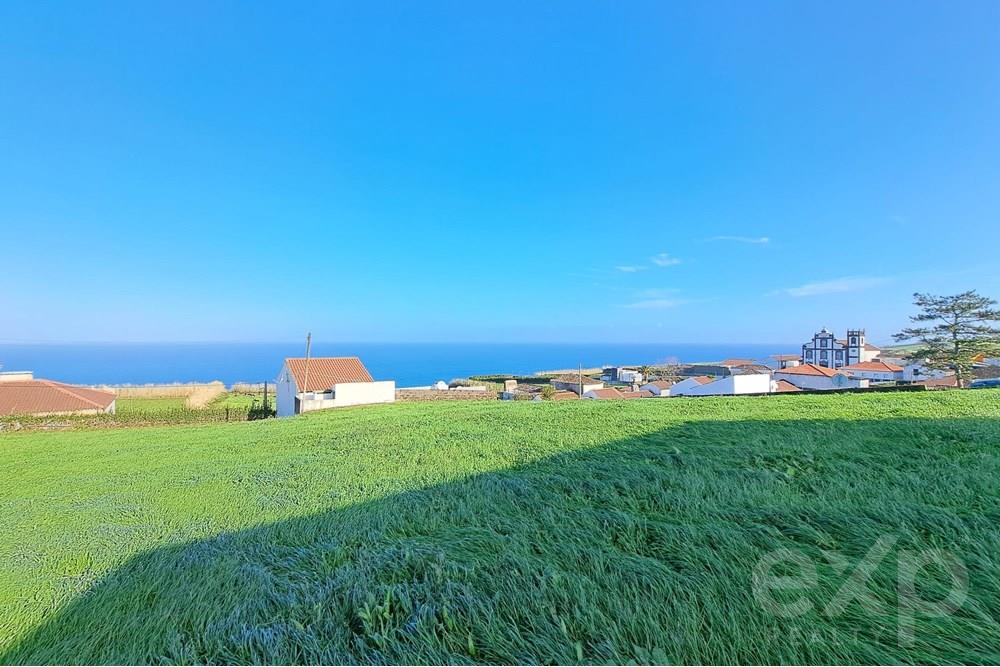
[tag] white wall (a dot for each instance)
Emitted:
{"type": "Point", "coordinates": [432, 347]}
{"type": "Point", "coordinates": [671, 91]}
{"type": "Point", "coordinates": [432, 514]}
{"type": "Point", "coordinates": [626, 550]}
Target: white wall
{"type": "Point", "coordinates": [285, 392]}
{"type": "Point", "coordinates": [754, 383]}
{"type": "Point", "coordinates": [820, 381]}
{"type": "Point", "coordinates": [876, 376]}
{"type": "Point", "coordinates": [363, 393]}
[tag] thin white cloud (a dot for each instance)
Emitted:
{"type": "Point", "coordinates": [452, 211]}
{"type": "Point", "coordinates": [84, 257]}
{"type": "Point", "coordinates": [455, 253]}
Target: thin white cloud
{"type": "Point", "coordinates": [631, 269]}
{"type": "Point", "coordinates": [664, 259]}
{"type": "Point", "coordinates": [758, 240]}
{"type": "Point", "coordinates": [658, 292]}
{"type": "Point", "coordinates": [656, 304]}
{"type": "Point", "coordinates": [835, 286]}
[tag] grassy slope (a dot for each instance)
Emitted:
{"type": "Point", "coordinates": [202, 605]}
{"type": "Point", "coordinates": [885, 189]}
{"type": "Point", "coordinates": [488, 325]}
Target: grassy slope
{"type": "Point", "coordinates": [552, 532]}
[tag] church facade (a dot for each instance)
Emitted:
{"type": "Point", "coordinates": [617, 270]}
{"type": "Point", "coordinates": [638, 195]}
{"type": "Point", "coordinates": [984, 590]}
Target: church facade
{"type": "Point", "coordinates": [828, 351]}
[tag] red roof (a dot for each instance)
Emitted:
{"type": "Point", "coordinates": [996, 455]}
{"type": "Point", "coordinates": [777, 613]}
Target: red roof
{"type": "Point", "coordinates": [565, 396]}
{"type": "Point", "coordinates": [878, 366]}
{"type": "Point", "coordinates": [642, 393]}
{"type": "Point", "coordinates": [781, 386]}
{"type": "Point", "coordinates": [703, 379]}
{"type": "Point", "coordinates": [606, 394]}
{"type": "Point", "coordinates": [807, 369]}
{"type": "Point", "coordinates": [785, 357]}
{"type": "Point", "coordinates": [736, 362]}
{"type": "Point", "coordinates": [39, 397]}
{"type": "Point", "coordinates": [324, 372]}
{"type": "Point", "coordinates": [660, 384]}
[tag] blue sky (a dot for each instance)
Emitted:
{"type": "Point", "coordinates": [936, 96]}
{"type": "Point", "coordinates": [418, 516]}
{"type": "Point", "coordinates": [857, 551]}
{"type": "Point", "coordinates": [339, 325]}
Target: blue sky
{"type": "Point", "coordinates": [580, 172]}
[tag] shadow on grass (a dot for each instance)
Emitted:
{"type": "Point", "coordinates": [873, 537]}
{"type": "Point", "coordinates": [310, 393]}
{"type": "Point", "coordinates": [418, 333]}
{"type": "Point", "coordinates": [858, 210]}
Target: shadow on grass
{"type": "Point", "coordinates": [640, 550]}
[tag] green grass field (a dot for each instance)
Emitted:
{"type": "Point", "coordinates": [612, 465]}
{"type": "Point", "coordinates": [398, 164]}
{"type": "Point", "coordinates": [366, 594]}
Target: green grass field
{"type": "Point", "coordinates": [576, 532]}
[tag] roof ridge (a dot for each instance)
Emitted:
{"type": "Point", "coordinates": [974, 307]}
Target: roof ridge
{"type": "Point", "coordinates": [66, 389]}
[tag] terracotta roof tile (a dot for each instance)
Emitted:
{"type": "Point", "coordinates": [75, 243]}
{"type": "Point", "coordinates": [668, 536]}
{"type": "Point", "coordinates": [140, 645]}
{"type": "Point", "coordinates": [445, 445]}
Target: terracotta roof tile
{"type": "Point", "coordinates": [807, 369]}
{"type": "Point", "coordinates": [324, 372]}
{"type": "Point", "coordinates": [782, 386]}
{"type": "Point", "coordinates": [606, 394]}
{"type": "Point", "coordinates": [878, 366]}
{"type": "Point", "coordinates": [23, 397]}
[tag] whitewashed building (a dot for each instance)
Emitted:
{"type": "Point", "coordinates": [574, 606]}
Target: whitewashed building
{"type": "Point", "coordinates": [876, 371]}
{"type": "Point", "coordinates": [658, 387]}
{"type": "Point", "coordinates": [733, 385]}
{"type": "Point", "coordinates": [578, 384]}
{"type": "Point", "coordinates": [328, 382]}
{"type": "Point", "coordinates": [828, 351]}
{"type": "Point", "coordinates": [812, 376]}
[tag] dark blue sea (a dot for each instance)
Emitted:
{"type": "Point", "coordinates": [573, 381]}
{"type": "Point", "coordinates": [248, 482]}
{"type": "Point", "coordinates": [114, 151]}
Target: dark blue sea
{"type": "Point", "coordinates": [409, 364]}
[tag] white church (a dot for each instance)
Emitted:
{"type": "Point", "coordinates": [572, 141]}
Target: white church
{"type": "Point", "coordinates": [830, 352]}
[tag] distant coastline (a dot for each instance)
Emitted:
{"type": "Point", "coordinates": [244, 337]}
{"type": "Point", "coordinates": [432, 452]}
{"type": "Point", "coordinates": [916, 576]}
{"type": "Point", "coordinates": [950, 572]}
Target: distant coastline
{"type": "Point", "coordinates": [406, 363]}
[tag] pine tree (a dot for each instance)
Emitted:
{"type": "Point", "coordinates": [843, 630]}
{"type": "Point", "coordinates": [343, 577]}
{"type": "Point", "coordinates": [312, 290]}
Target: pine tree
{"type": "Point", "coordinates": [957, 329]}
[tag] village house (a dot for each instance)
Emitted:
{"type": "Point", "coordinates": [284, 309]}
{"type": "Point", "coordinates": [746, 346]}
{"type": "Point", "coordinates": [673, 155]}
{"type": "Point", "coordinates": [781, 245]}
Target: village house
{"type": "Point", "coordinates": [733, 385]}
{"type": "Point", "coordinates": [578, 384]}
{"type": "Point", "coordinates": [658, 387]}
{"type": "Point", "coordinates": [787, 360]}
{"type": "Point", "coordinates": [599, 394]}
{"type": "Point", "coordinates": [812, 376]}
{"type": "Point", "coordinates": [305, 385]}
{"type": "Point", "coordinates": [830, 352]}
{"type": "Point", "coordinates": [876, 371]}
{"type": "Point", "coordinates": [22, 394]}
{"type": "Point", "coordinates": [621, 375]}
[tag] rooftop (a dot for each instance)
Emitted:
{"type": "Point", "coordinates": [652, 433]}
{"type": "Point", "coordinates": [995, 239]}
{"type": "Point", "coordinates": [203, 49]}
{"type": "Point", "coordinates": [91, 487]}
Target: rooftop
{"type": "Point", "coordinates": [324, 372]}
{"type": "Point", "coordinates": [877, 366]}
{"type": "Point", "coordinates": [808, 369]}
{"type": "Point", "coordinates": [19, 397]}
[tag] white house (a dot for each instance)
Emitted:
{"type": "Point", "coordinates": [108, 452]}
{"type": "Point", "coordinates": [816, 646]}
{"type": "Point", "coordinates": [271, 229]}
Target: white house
{"type": "Point", "coordinates": [876, 371]}
{"type": "Point", "coordinates": [830, 352]}
{"type": "Point", "coordinates": [599, 394]}
{"type": "Point", "coordinates": [328, 382]}
{"type": "Point", "coordinates": [658, 388]}
{"type": "Point", "coordinates": [811, 376]}
{"type": "Point", "coordinates": [917, 372]}
{"type": "Point", "coordinates": [733, 385]}
{"type": "Point", "coordinates": [579, 384]}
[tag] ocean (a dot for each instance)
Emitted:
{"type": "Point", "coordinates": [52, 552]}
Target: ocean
{"type": "Point", "coordinates": [409, 364]}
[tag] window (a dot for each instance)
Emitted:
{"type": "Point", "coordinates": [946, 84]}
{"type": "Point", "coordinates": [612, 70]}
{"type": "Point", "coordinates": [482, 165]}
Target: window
{"type": "Point", "coordinates": [809, 354]}
{"type": "Point", "coordinates": [840, 354]}
{"type": "Point", "coordinates": [824, 342]}
{"type": "Point", "coordinates": [822, 355]}
{"type": "Point", "coordinates": [854, 341]}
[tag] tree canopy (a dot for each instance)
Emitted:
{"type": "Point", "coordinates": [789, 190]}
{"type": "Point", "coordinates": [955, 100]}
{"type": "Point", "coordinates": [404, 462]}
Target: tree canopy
{"type": "Point", "coordinates": [953, 330]}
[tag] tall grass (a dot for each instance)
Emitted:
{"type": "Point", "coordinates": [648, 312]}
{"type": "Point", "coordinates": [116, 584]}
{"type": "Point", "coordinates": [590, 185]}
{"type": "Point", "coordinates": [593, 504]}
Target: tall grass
{"type": "Point", "coordinates": [499, 532]}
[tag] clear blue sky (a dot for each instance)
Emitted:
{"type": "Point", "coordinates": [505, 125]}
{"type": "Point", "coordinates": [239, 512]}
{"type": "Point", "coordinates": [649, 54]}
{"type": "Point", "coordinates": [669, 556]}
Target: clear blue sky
{"type": "Point", "coordinates": [587, 172]}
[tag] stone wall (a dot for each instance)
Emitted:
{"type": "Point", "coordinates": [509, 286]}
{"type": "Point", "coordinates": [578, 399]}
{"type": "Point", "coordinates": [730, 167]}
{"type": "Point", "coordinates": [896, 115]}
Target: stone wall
{"type": "Point", "coordinates": [444, 395]}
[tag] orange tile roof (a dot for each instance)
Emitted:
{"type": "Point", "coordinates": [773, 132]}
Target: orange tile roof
{"type": "Point", "coordinates": [785, 357]}
{"type": "Point", "coordinates": [661, 384]}
{"type": "Point", "coordinates": [606, 394]}
{"type": "Point", "coordinates": [26, 397]}
{"type": "Point", "coordinates": [878, 366]}
{"type": "Point", "coordinates": [808, 369]}
{"type": "Point", "coordinates": [565, 396]}
{"type": "Point", "coordinates": [736, 362]}
{"type": "Point", "coordinates": [324, 372]}
{"type": "Point", "coordinates": [642, 393]}
{"type": "Point", "coordinates": [781, 386]}
{"type": "Point", "coordinates": [703, 379]}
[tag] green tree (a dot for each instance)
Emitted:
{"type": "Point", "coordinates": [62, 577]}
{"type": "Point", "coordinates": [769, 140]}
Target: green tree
{"type": "Point", "coordinates": [548, 391]}
{"type": "Point", "coordinates": [952, 330]}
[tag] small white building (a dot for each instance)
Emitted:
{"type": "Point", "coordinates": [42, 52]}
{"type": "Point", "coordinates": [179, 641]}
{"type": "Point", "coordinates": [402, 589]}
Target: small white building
{"type": "Point", "coordinates": [876, 371]}
{"type": "Point", "coordinates": [658, 388]}
{"type": "Point", "coordinates": [918, 372]}
{"type": "Point", "coordinates": [733, 385]}
{"type": "Point", "coordinates": [328, 382]}
{"type": "Point", "coordinates": [811, 376]}
{"type": "Point", "coordinates": [578, 384]}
